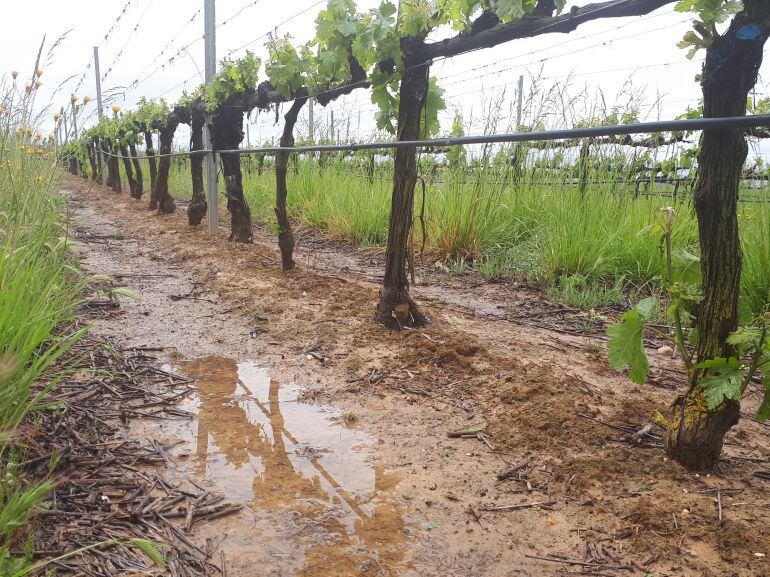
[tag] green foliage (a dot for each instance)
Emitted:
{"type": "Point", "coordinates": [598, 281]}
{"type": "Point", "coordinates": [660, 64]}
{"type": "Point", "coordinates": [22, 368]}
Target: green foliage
{"type": "Point", "coordinates": [760, 107]}
{"type": "Point", "coordinates": [420, 17]}
{"type": "Point", "coordinates": [626, 345]}
{"type": "Point", "coordinates": [581, 291]}
{"type": "Point", "coordinates": [190, 99]}
{"type": "Point", "coordinates": [434, 103]}
{"type": "Point", "coordinates": [616, 115]}
{"type": "Point", "coordinates": [39, 294]}
{"type": "Point", "coordinates": [753, 340]}
{"type": "Point", "coordinates": [336, 28]}
{"type": "Point", "coordinates": [456, 157]}
{"type": "Point", "coordinates": [720, 378]}
{"type": "Point", "coordinates": [710, 13]}
{"type": "Point", "coordinates": [385, 96]}
{"type": "Point", "coordinates": [152, 113]}
{"type": "Point", "coordinates": [16, 505]}
{"type": "Point", "coordinates": [376, 38]}
{"type": "Point", "coordinates": [508, 10]}
{"type": "Point", "coordinates": [285, 68]}
{"type": "Point", "coordinates": [723, 381]}
{"type": "Point", "coordinates": [234, 77]}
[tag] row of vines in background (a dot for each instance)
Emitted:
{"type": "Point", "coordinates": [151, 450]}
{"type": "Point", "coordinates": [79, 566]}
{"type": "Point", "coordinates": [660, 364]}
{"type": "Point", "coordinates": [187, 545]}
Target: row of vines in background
{"type": "Point", "coordinates": [387, 51]}
{"type": "Point", "coordinates": [583, 248]}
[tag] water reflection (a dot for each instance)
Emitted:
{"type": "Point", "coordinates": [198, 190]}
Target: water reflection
{"type": "Point", "coordinates": [263, 447]}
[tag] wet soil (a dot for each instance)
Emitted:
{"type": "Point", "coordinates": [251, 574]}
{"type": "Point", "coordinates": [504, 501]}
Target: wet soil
{"type": "Point", "coordinates": [333, 432]}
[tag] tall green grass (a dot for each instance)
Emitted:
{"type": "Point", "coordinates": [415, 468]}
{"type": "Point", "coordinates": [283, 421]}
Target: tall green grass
{"type": "Point", "coordinates": [39, 293]}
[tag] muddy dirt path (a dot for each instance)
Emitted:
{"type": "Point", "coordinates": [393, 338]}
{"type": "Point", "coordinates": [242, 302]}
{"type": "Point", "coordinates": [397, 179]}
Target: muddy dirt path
{"type": "Point", "coordinates": [333, 432]}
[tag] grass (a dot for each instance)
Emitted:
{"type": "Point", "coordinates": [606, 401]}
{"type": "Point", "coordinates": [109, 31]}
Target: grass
{"type": "Point", "coordinates": [39, 293]}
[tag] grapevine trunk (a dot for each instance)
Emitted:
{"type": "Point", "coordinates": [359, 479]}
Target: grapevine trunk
{"type": "Point", "coordinates": [129, 172]}
{"type": "Point", "coordinates": [285, 234]}
{"type": "Point", "coordinates": [150, 151]}
{"type": "Point", "coordinates": [166, 204]}
{"type": "Point", "coordinates": [729, 73]}
{"type": "Point", "coordinates": [227, 134]}
{"type": "Point", "coordinates": [396, 308]}
{"type": "Point", "coordinates": [197, 209]}
{"type": "Point", "coordinates": [137, 170]}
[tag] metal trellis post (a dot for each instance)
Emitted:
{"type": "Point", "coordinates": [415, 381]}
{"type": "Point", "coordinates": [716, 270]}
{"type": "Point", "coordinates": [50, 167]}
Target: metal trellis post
{"type": "Point", "coordinates": [74, 117]}
{"type": "Point", "coordinates": [66, 128]}
{"type": "Point", "coordinates": [99, 110]}
{"type": "Point", "coordinates": [211, 159]}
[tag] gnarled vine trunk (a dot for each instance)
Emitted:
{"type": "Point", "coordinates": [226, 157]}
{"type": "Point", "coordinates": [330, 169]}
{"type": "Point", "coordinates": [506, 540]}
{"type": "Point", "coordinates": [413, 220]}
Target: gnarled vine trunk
{"type": "Point", "coordinates": [150, 151]}
{"type": "Point", "coordinates": [226, 134]}
{"type": "Point", "coordinates": [396, 307]}
{"type": "Point", "coordinates": [72, 164]}
{"type": "Point", "coordinates": [100, 161]}
{"type": "Point", "coordinates": [92, 161]}
{"type": "Point", "coordinates": [113, 170]}
{"type": "Point", "coordinates": [139, 184]}
{"type": "Point", "coordinates": [730, 71]}
{"type": "Point", "coordinates": [166, 204]}
{"type": "Point", "coordinates": [285, 234]}
{"type": "Point", "coordinates": [129, 171]}
{"type": "Point", "coordinates": [197, 208]}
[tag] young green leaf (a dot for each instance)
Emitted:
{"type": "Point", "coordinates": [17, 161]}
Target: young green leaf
{"type": "Point", "coordinates": [626, 347]}
{"type": "Point", "coordinates": [723, 381]}
{"type": "Point", "coordinates": [647, 308]}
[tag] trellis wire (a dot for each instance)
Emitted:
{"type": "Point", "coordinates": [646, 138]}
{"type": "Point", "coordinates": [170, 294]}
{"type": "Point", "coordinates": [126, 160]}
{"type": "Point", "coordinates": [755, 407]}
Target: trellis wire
{"type": "Point", "coordinates": [680, 125]}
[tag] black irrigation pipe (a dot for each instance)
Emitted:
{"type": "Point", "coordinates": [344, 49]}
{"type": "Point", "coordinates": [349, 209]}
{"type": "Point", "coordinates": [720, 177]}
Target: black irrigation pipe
{"type": "Point", "coordinates": [726, 123]}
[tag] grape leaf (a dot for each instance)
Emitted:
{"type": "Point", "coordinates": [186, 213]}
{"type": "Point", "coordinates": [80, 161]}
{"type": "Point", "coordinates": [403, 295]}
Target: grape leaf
{"type": "Point", "coordinates": [723, 381]}
{"type": "Point", "coordinates": [626, 348]}
{"type": "Point", "coordinates": [647, 307]}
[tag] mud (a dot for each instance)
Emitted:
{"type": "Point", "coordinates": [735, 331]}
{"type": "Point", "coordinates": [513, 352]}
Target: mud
{"type": "Point", "coordinates": [299, 353]}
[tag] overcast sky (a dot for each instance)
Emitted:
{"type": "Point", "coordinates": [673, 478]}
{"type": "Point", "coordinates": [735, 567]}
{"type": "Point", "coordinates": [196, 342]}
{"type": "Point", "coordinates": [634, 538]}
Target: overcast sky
{"type": "Point", "coordinates": [600, 57]}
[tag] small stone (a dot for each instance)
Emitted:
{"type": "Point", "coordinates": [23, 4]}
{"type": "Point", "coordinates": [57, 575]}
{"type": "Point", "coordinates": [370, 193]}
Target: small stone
{"type": "Point", "coordinates": [666, 351]}
{"type": "Point", "coordinates": [760, 555]}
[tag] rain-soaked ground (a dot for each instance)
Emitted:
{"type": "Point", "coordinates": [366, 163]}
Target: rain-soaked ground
{"type": "Point", "coordinates": [302, 472]}
{"type": "Point", "coordinates": [399, 496]}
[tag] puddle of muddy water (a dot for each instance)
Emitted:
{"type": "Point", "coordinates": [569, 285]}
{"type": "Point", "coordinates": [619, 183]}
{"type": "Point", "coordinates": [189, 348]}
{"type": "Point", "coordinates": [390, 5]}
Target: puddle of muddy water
{"type": "Point", "coordinates": [314, 503]}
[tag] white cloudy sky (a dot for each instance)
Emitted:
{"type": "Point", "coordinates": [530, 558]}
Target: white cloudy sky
{"type": "Point", "coordinates": [600, 56]}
